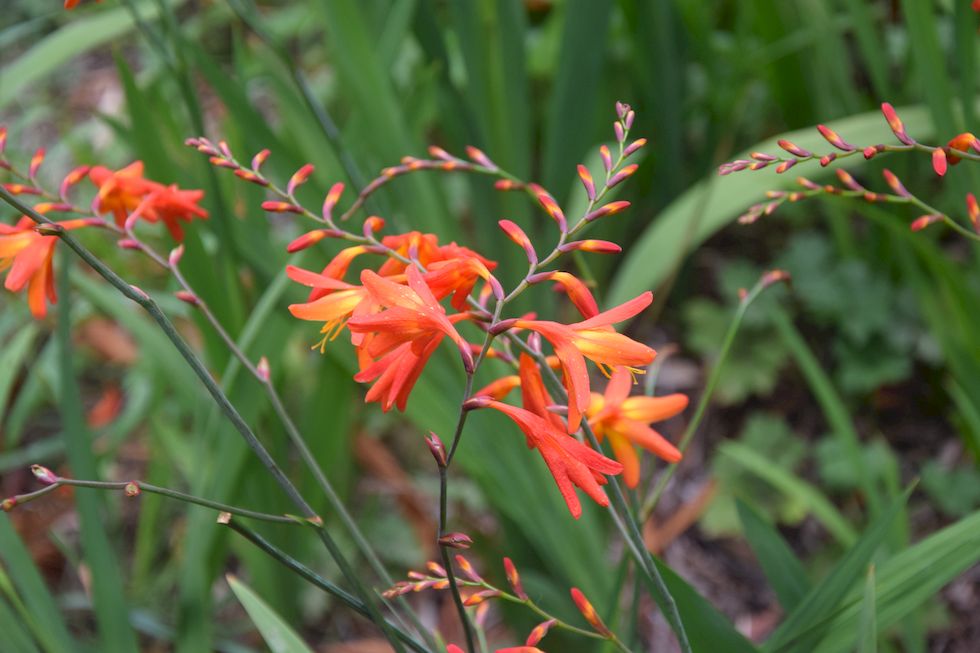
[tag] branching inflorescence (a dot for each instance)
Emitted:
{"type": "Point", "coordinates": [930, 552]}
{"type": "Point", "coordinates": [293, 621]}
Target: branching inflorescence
{"type": "Point", "coordinates": [415, 294]}
{"type": "Point", "coordinates": [961, 147]}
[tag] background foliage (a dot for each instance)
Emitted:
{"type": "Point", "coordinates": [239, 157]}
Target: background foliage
{"type": "Point", "coordinates": [865, 375]}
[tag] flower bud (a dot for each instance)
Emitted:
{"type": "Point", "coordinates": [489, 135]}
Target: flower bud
{"type": "Point", "coordinates": [515, 581]}
{"type": "Point", "coordinates": [539, 631]}
{"type": "Point", "coordinates": [895, 123]}
{"type": "Point", "coordinates": [44, 475]}
{"type": "Point", "coordinates": [591, 616]}
{"type": "Point", "coordinates": [132, 489]}
{"type": "Point", "coordinates": [263, 368]}
{"type": "Point", "coordinates": [634, 146]}
{"type": "Point", "coordinates": [187, 297]}
{"type": "Point", "coordinates": [176, 254]}
{"type": "Point", "coordinates": [437, 448]}
{"type": "Point", "coordinates": [299, 178]}
{"type": "Point", "coordinates": [586, 177]}
{"type": "Point", "coordinates": [939, 161]}
{"type": "Point", "coordinates": [330, 201]}
{"type": "Point", "coordinates": [622, 175]}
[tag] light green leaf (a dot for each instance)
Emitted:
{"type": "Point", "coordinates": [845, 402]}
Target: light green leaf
{"type": "Point", "coordinates": [276, 633]}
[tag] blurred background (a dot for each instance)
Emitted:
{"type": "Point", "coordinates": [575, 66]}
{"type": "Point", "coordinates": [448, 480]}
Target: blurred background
{"type": "Point", "coordinates": [838, 392]}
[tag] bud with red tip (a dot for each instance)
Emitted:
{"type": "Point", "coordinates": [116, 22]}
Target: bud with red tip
{"type": "Point", "coordinates": [939, 161]}
{"type": "Point", "coordinates": [849, 181]}
{"type": "Point", "coordinates": [608, 209]}
{"type": "Point", "coordinates": [622, 175]}
{"type": "Point", "coordinates": [3, 138]}
{"type": "Point", "coordinates": [619, 131]}
{"type": "Point", "coordinates": [480, 157]}
{"type": "Point", "coordinates": [834, 139]}
{"type": "Point", "coordinates": [273, 206]}
{"type": "Point", "coordinates": [586, 177]}
{"type": "Point", "coordinates": [507, 184]}
{"type": "Point", "coordinates": [516, 234]}
{"type": "Point", "coordinates": [464, 564]}
{"type": "Point", "coordinates": [514, 579]}
{"type": "Point", "coordinates": [440, 153]}
{"type": "Point", "coordinates": [539, 631]}
{"type": "Point", "coordinates": [634, 146]}
{"type": "Point", "coordinates": [299, 178]}
{"type": "Point", "coordinates": [973, 211]}
{"type": "Point", "coordinates": [480, 597]}
{"type": "Point", "coordinates": [36, 162]}
{"type": "Point", "coordinates": [311, 238]}
{"type": "Point", "coordinates": [895, 123]}
{"type": "Point", "coordinates": [785, 165]}
{"type": "Point", "coordinates": [775, 276]}
{"type": "Point", "coordinates": [606, 157]}
{"type": "Point", "coordinates": [187, 297]}
{"type": "Point", "coordinates": [552, 209]}
{"type": "Point", "coordinates": [895, 183]}
{"type": "Point", "coordinates": [962, 143]}
{"type": "Point", "coordinates": [372, 225]}
{"type": "Point", "coordinates": [591, 245]}
{"type": "Point", "coordinates": [8, 504]}
{"type": "Point", "coordinates": [263, 369]}
{"type": "Point", "coordinates": [794, 149]}
{"type": "Point", "coordinates": [176, 254]}
{"type": "Point", "coordinates": [71, 179]}
{"type": "Point", "coordinates": [330, 201]}
{"type": "Point", "coordinates": [924, 221]}
{"type": "Point", "coordinates": [259, 159]}
{"type": "Point", "coordinates": [589, 612]}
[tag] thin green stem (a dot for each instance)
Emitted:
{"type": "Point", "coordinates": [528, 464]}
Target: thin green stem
{"type": "Point", "coordinates": [315, 579]}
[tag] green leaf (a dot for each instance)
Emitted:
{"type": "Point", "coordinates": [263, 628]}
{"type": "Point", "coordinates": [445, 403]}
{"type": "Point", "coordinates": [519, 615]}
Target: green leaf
{"type": "Point", "coordinates": [56, 49]}
{"type": "Point", "coordinates": [779, 563]}
{"type": "Point", "coordinates": [868, 630]}
{"type": "Point", "coordinates": [276, 633]}
{"type": "Point", "coordinates": [806, 625]}
{"type": "Point", "coordinates": [12, 357]}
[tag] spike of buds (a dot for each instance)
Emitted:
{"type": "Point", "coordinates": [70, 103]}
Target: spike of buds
{"type": "Point", "coordinates": [895, 183]}
{"type": "Point", "coordinates": [586, 177]}
{"type": "Point", "coordinates": [176, 254]}
{"type": "Point", "coordinates": [187, 297]}
{"type": "Point", "coordinates": [514, 579]}
{"type": "Point", "coordinates": [552, 208]}
{"type": "Point", "coordinates": [591, 616]}
{"type": "Point", "coordinates": [590, 245]}
{"type": "Point", "coordinates": [539, 631]}
{"type": "Point", "coordinates": [622, 175]}
{"type": "Point", "coordinates": [634, 146]}
{"type": "Point", "coordinates": [330, 201]}
{"type": "Point", "coordinates": [516, 234]}
{"type": "Point", "coordinates": [299, 178]}
{"type": "Point", "coordinates": [794, 149]}
{"type": "Point", "coordinates": [924, 221]}
{"type": "Point", "coordinates": [36, 162]}
{"type": "Point", "coordinates": [263, 370]}
{"type": "Point", "coordinates": [973, 211]}
{"type": "Point", "coordinates": [280, 207]}
{"type": "Point", "coordinates": [939, 161]}
{"type": "Point", "coordinates": [44, 475]}
{"type": "Point", "coordinates": [895, 123]}
{"type": "Point", "coordinates": [606, 157]}
{"type": "Point", "coordinates": [437, 448]}
{"type": "Point", "coordinates": [834, 139]}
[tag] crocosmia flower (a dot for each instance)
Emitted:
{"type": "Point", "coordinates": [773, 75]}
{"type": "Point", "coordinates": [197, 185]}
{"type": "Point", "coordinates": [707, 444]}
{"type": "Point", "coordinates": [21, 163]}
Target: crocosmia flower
{"type": "Point", "coordinates": [29, 257]}
{"type": "Point", "coordinates": [171, 205]}
{"type": "Point", "coordinates": [572, 463]}
{"type": "Point", "coordinates": [596, 340]}
{"type": "Point", "coordinates": [625, 421]}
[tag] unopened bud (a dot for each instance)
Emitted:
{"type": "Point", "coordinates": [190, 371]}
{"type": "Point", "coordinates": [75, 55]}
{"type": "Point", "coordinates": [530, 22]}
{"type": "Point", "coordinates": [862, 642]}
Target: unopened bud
{"type": "Point", "coordinates": [263, 368]}
{"type": "Point", "coordinates": [456, 541]}
{"type": "Point", "coordinates": [501, 326]}
{"type": "Point", "coordinates": [187, 297]}
{"type": "Point", "coordinates": [514, 579]}
{"type": "Point", "coordinates": [176, 254]}
{"type": "Point", "coordinates": [634, 146]}
{"type": "Point", "coordinates": [8, 504]}
{"type": "Point", "coordinates": [775, 276]}
{"type": "Point", "coordinates": [437, 448]}
{"type": "Point", "coordinates": [44, 475]}
{"type": "Point", "coordinates": [129, 243]}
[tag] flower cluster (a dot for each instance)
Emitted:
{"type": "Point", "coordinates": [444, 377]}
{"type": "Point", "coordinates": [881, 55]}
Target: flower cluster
{"type": "Point", "coordinates": [414, 292]}
{"type": "Point", "coordinates": [27, 248]}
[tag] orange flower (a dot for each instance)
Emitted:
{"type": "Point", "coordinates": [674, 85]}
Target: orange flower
{"type": "Point", "coordinates": [963, 143]}
{"type": "Point", "coordinates": [596, 340]}
{"type": "Point", "coordinates": [571, 463]}
{"type": "Point", "coordinates": [30, 256]}
{"type": "Point", "coordinates": [70, 4]}
{"type": "Point", "coordinates": [126, 192]}
{"type": "Point", "coordinates": [624, 420]}
{"type": "Point", "coordinates": [120, 192]}
{"type": "Point", "coordinates": [332, 302]}
{"type": "Point", "coordinates": [169, 204]}
{"type": "Point", "coordinates": [457, 277]}
{"type": "Point", "coordinates": [403, 336]}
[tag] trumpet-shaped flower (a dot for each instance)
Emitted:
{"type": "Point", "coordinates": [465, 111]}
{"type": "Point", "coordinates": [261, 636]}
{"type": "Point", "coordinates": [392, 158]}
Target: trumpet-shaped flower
{"type": "Point", "coordinates": [572, 463]}
{"type": "Point", "coordinates": [625, 421]}
{"type": "Point", "coordinates": [171, 205]}
{"type": "Point", "coordinates": [596, 340]}
{"type": "Point", "coordinates": [29, 255]}
{"type": "Point", "coordinates": [395, 373]}
{"type": "Point", "coordinates": [405, 333]}
{"type": "Point", "coordinates": [333, 304]}
{"type": "Point", "coordinates": [120, 191]}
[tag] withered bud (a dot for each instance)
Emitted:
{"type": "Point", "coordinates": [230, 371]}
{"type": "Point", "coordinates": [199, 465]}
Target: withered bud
{"type": "Point", "coordinates": [8, 504]}
{"type": "Point", "coordinates": [224, 518]}
{"type": "Point", "coordinates": [44, 475]}
{"type": "Point", "coordinates": [775, 276]}
{"type": "Point", "coordinates": [437, 448]}
{"type": "Point", "coordinates": [132, 489]}
{"type": "Point", "coordinates": [46, 229]}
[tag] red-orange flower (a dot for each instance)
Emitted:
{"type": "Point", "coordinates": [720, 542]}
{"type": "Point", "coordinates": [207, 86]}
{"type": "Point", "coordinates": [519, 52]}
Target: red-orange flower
{"type": "Point", "coordinates": [596, 340]}
{"type": "Point", "coordinates": [625, 421]}
{"type": "Point", "coordinates": [120, 191]}
{"type": "Point", "coordinates": [963, 143]}
{"type": "Point", "coordinates": [170, 205]}
{"type": "Point", "coordinates": [403, 336]}
{"type": "Point", "coordinates": [571, 463]}
{"type": "Point", "coordinates": [29, 255]}
{"type": "Point", "coordinates": [332, 302]}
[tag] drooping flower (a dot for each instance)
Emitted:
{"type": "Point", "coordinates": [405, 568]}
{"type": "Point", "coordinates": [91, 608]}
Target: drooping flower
{"type": "Point", "coordinates": [625, 421]}
{"type": "Point", "coordinates": [332, 302]}
{"type": "Point", "coordinates": [29, 256]}
{"type": "Point", "coordinates": [403, 335]}
{"type": "Point", "coordinates": [596, 340]}
{"type": "Point", "coordinates": [572, 463]}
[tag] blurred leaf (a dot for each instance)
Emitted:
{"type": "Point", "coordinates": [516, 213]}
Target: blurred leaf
{"type": "Point", "coordinates": [956, 491]}
{"type": "Point", "coordinates": [868, 633]}
{"type": "Point", "coordinates": [781, 566]}
{"type": "Point", "coordinates": [276, 633]}
{"type": "Point", "coordinates": [12, 356]}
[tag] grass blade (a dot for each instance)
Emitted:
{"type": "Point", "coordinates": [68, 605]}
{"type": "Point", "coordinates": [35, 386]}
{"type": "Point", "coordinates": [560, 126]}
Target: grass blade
{"type": "Point", "coordinates": [276, 633]}
{"type": "Point", "coordinates": [780, 565]}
